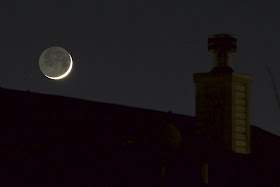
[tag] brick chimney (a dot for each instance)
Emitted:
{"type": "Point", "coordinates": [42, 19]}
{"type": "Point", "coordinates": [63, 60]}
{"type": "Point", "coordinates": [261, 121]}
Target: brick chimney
{"type": "Point", "coordinates": [223, 99]}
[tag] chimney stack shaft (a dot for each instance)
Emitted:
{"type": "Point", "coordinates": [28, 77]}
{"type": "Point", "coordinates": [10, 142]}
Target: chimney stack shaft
{"type": "Point", "coordinates": [223, 99]}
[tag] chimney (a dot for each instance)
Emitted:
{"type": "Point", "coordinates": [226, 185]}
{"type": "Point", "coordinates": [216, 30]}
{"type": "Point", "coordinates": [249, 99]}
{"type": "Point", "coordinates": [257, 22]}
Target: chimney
{"type": "Point", "coordinates": [222, 46]}
{"type": "Point", "coordinates": [223, 99]}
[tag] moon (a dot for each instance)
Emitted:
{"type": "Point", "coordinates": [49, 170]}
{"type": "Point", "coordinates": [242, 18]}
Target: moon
{"type": "Point", "coordinates": [55, 63]}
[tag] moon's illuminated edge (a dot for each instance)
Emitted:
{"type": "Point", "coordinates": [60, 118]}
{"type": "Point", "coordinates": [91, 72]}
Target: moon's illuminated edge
{"type": "Point", "coordinates": [66, 73]}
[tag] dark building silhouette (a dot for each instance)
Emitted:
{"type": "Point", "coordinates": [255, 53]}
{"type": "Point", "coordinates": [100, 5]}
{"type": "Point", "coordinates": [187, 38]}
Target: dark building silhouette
{"type": "Point", "coordinates": [49, 140]}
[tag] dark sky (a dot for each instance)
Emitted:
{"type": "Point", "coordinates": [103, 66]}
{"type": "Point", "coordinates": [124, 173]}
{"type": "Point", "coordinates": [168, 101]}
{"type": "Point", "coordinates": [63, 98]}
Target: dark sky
{"type": "Point", "coordinates": [141, 53]}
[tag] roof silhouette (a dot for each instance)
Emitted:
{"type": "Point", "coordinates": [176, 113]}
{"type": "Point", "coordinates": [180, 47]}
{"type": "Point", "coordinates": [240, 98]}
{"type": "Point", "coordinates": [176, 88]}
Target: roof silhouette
{"type": "Point", "coordinates": [54, 140]}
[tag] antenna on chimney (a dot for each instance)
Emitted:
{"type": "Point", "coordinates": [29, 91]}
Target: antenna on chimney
{"type": "Point", "coordinates": [222, 46]}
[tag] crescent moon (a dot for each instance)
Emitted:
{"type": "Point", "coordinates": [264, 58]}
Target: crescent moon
{"type": "Point", "coordinates": [66, 73]}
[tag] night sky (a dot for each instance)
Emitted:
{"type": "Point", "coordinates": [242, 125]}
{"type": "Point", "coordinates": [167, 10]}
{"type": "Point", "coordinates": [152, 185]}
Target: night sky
{"type": "Point", "coordinates": [141, 53]}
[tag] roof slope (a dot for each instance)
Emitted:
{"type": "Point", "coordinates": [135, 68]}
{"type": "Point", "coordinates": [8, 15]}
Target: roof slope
{"type": "Point", "coordinates": [58, 140]}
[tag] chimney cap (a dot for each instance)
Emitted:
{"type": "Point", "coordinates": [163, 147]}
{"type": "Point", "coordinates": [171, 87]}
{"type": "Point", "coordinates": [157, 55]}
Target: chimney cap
{"type": "Point", "coordinates": [222, 43]}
